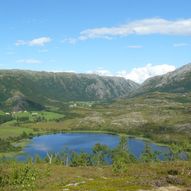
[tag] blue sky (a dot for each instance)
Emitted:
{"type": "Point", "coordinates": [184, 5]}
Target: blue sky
{"type": "Point", "coordinates": [135, 39]}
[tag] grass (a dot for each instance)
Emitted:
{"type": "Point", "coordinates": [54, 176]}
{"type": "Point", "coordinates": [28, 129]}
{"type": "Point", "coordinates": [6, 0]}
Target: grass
{"type": "Point", "coordinates": [139, 176]}
{"type": "Point", "coordinates": [51, 115]}
{"type": "Point", "coordinates": [12, 131]}
{"type": "Point", "coordinates": [2, 113]}
{"type": "Point", "coordinates": [48, 116]}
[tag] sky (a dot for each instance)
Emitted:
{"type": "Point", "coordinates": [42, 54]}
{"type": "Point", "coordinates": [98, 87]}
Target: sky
{"type": "Point", "coordinates": [135, 39]}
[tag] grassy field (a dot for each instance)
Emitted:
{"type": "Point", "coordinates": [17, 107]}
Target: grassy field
{"type": "Point", "coordinates": [174, 176]}
{"type": "Point", "coordinates": [14, 128]}
{"type": "Point", "coordinates": [12, 131]}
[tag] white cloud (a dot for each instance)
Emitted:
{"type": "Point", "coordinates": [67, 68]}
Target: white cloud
{"type": "Point", "coordinates": [40, 41]}
{"type": "Point", "coordinates": [34, 42]}
{"type": "Point", "coordinates": [180, 44]}
{"type": "Point", "coordinates": [139, 27]}
{"type": "Point", "coordinates": [137, 74]}
{"type": "Point", "coordinates": [67, 71]}
{"type": "Point", "coordinates": [141, 74]}
{"type": "Point", "coordinates": [29, 61]}
{"type": "Point", "coordinates": [135, 46]}
{"type": "Point", "coordinates": [100, 72]}
{"type": "Point", "coordinates": [41, 147]}
{"type": "Point", "coordinates": [70, 71]}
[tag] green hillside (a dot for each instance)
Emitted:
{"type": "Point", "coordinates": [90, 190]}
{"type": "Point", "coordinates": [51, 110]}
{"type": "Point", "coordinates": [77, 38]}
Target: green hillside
{"type": "Point", "coordinates": [32, 90]}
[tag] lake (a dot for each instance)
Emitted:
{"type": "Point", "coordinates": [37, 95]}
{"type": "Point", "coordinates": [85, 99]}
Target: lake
{"type": "Point", "coordinates": [79, 142]}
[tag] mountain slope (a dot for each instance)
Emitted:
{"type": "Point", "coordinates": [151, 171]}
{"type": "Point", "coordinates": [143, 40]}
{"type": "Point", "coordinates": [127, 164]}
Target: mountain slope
{"type": "Point", "coordinates": [48, 87]}
{"type": "Point", "coordinates": [176, 81]}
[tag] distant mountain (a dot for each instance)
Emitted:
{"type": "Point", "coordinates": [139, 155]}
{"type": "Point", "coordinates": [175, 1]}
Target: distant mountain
{"type": "Point", "coordinates": [176, 81]}
{"type": "Point", "coordinates": [28, 89]}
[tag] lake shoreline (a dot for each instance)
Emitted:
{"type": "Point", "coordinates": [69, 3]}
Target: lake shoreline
{"type": "Point", "coordinates": [24, 142]}
{"type": "Point", "coordinates": [84, 141]}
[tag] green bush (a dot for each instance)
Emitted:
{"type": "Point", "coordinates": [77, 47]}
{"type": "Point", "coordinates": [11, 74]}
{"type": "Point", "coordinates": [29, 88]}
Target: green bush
{"type": "Point", "coordinates": [24, 178]}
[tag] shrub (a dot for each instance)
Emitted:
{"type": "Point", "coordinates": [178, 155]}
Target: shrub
{"type": "Point", "coordinates": [24, 178]}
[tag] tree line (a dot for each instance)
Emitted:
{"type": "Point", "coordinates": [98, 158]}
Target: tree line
{"type": "Point", "coordinates": [101, 155]}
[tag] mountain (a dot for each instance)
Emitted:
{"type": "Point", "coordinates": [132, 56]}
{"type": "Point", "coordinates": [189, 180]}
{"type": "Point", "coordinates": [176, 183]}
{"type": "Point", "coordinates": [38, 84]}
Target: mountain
{"type": "Point", "coordinates": [19, 102]}
{"type": "Point", "coordinates": [20, 89]}
{"type": "Point", "coordinates": [178, 81]}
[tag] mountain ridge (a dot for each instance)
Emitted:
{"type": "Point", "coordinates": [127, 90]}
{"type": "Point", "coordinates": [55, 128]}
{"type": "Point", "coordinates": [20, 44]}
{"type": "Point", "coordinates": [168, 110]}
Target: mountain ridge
{"type": "Point", "coordinates": [46, 87]}
{"type": "Point", "coordinates": [26, 89]}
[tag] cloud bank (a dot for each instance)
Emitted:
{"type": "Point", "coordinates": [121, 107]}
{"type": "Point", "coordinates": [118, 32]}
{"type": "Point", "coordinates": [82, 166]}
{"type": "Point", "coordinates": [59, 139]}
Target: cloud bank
{"type": "Point", "coordinates": [138, 75]}
{"type": "Point", "coordinates": [101, 72]}
{"type": "Point", "coordinates": [139, 27]}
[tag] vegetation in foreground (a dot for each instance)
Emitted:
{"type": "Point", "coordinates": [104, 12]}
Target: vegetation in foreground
{"type": "Point", "coordinates": [141, 176]}
{"type": "Point", "coordinates": [116, 169]}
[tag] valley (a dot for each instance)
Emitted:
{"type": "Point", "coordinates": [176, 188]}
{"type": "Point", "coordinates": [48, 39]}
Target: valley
{"type": "Point", "coordinates": [132, 110]}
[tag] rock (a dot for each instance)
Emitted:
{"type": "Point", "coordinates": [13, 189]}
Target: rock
{"type": "Point", "coordinates": [174, 180]}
